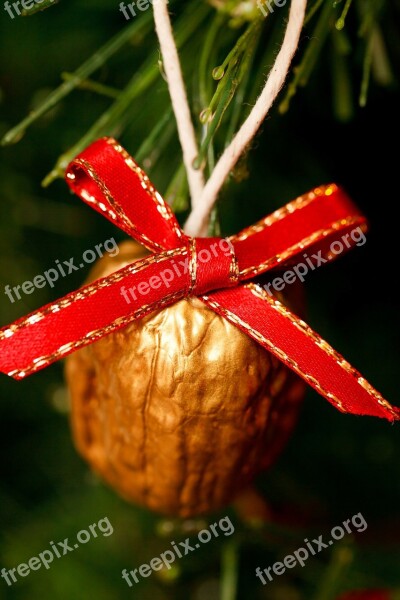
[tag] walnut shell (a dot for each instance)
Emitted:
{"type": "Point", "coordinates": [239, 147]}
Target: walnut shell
{"type": "Point", "coordinates": [180, 410]}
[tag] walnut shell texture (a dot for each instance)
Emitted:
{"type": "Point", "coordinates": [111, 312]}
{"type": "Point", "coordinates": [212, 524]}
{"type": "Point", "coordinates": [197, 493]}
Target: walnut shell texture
{"type": "Point", "coordinates": [180, 410]}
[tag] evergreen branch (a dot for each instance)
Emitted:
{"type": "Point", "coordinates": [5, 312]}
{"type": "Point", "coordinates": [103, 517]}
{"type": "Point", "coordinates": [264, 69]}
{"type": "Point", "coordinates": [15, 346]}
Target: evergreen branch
{"type": "Point", "coordinates": [27, 12]}
{"type": "Point", "coordinates": [93, 86]}
{"type": "Point", "coordinates": [112, 120]}
{"type": "Point", "coordinates": [177, 192]}
{"type": "Point", "coordinates": [93, 63]}
{"type": "Point", "coordinates": [115, 118]}
{"type": "Point", "coordinates": [155, 142]}
{"type": "Point", "coordinates": [340, 23]}
{"type": "Point", "coordinates": [366, 70]}
{"type": "Point", "coordinates": [303, 71]}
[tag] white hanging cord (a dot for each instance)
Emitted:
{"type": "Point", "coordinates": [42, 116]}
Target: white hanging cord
{"type": "Point", "coordinates": [204, 198]}
{"type": "Point", "coordinates": [179, 101]}
{"type": "Point", "coordinates": [198, 218]}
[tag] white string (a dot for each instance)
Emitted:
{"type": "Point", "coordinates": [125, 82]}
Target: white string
{"type": "Point", "coordinates": [179, 101]}
{"type": "Point", "coordinates": [198, 218]}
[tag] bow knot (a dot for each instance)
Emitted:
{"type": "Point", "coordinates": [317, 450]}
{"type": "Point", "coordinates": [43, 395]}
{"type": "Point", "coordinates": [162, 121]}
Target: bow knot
{"type": "Point", "coordinates": [212, 265]}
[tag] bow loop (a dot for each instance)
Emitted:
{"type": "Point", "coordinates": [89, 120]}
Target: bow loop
{"type": "Point", "coordinates": [129, 200]}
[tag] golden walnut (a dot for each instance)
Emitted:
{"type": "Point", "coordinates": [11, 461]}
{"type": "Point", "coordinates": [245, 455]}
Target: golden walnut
{"type": "Point", "coordinates": [180, 410]}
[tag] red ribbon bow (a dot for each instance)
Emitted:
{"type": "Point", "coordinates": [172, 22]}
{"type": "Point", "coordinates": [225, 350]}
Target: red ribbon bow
{"type": "Point", "coordinates": [107, 178]}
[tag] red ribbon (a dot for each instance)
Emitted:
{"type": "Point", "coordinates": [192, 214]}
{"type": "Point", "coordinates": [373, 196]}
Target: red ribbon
{"type": "Point", "coordinates": [107, 178]}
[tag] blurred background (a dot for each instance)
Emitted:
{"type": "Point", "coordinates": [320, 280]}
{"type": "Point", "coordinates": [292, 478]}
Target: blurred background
{"type": "Point", "coordinates": [334, 465]}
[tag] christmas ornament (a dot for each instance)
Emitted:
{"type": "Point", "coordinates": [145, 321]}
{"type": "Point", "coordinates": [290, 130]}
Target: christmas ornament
{"type": "Point", "coordinates": [179, 410]}
{"type": "Point", "coordinates": [109, 180]}
{"type": "Point", "coordinates": [185, 402]}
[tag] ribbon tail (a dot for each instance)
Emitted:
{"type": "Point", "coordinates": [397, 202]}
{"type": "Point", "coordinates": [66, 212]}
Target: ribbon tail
{"type": "Point", "coordinates": [88, 314]}
{"type": "Point", "coordinates": [278, 330]}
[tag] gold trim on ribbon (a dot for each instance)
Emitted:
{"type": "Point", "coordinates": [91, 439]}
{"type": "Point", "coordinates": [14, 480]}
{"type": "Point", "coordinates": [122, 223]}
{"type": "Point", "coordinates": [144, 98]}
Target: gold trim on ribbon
{"type": "Point", "coordinates": [281, 213]}
{"type": "Point", "coordinates": [162, 206]}
{"type": "Point", "coordinates": [116, 208]}
{"type": "Point", "coordinates": [192, 264]}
